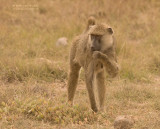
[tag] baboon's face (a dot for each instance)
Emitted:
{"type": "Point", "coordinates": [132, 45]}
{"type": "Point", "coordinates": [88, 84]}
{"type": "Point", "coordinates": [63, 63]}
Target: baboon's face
{"type": "Point", "coordinates": [101, 42]}
{"type": "Point", "coordinates": [96, 42]}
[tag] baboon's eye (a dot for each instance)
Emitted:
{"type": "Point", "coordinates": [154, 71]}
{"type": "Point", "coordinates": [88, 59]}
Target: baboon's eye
{"type": "Point", "coordinates": [99, 41]}
{"type": "Point", "coordinates": [98, 37]}
{"type": "Point", "coordinates": [92, 37]}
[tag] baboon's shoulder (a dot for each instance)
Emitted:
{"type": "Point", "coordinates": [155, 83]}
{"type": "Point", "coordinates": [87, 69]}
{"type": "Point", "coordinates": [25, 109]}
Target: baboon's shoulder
{"type": "Point", "coordinates": [80, 39]}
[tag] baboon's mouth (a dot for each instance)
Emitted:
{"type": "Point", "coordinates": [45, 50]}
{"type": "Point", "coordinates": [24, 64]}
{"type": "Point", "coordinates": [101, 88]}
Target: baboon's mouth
{"type": "Point", "coordinates": [93, 49]}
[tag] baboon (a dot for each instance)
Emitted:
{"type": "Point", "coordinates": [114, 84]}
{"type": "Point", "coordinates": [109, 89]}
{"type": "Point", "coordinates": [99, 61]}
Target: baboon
{"type": "Point", "coordinates": [94, 51]}
{"type": "Point", "coordinates": [91, 22]}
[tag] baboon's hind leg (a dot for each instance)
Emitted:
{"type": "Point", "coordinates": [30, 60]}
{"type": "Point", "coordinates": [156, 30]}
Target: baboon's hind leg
{"type": "Point", "coordinates": [72, 81]}
{"type": "Point", "coordinates": [89, 84]}
{"type": "Point", "coordinates": [101, 88]}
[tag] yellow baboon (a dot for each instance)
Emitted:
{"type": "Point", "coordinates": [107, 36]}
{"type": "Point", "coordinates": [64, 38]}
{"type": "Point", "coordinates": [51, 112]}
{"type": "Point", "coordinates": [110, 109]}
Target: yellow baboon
{"type": "Point", "coordinates": [94, 50]}
{"type": "Point", "coordinates": [91, 22]}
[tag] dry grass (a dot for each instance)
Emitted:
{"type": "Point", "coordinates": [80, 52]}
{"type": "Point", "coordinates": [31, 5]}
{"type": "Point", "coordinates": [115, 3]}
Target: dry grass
{"type": "Point", "coordinates": [45, 104]}
{"type": "Point", "coordinates": [33, 71]}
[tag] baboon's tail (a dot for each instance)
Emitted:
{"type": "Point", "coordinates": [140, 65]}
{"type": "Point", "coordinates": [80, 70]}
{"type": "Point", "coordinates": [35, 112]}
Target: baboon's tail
{"type": "Point", "coordinates": [91, 22]}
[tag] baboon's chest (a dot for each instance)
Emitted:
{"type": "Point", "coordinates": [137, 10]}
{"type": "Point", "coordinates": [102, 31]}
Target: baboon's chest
{"type": "Point", "coordinates": [84, 58]}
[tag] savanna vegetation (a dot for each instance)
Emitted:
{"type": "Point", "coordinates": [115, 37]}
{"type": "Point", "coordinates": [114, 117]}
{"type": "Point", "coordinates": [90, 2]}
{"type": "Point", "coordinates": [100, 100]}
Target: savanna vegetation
{"type": "Point", "coordinates": [33, 70]}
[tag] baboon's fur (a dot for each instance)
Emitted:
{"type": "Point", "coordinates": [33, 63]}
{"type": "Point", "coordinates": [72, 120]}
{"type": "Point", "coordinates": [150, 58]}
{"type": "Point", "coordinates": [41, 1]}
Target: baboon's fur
{"type": "Point", "coordinates": [91, 22]}
{"type": "Point", "coordinates": [93, 62]}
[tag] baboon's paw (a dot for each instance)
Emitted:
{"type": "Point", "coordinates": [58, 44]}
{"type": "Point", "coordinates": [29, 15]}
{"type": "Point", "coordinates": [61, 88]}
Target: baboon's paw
{"type": "Point", "coordinates": [95, 110]}
{"type": "Point", "coordinates": [101, 110]}
{"type": "Point", "coordinates": [96, 54]}
{"type": "Point", "coordinates": [70, 103]}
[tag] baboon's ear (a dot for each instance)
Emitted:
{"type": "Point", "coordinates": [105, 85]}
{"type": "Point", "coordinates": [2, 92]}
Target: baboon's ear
{"type": "Point", "coordinates": [110, 30]}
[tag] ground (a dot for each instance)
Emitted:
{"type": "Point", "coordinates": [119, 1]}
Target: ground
{"type": "Point", "coordinates": [33, 70]}
{"type": "Point", "coordinates": [44, 105]}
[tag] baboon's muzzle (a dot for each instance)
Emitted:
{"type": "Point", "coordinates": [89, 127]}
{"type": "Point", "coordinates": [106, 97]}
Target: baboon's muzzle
{"type": "Point", "coordinates": [93, 48]}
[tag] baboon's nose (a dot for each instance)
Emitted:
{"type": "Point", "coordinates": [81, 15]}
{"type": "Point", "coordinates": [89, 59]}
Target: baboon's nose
{"type": "Point", "coordinates": [92, 49]}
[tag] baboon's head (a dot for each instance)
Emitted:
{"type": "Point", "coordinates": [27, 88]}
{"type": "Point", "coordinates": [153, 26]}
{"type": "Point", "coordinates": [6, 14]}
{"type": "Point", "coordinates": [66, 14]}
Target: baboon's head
{"type": "Point", "coordinates": [100, 37]}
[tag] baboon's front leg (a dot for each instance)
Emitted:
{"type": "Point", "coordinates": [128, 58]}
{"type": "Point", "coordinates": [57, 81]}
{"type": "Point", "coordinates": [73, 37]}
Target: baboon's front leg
{"type": "Point", "coordinates": [89, 84]}
{"type": "Point", "coordinates": [101, 89]}
{"type": "Point", "coordinates": [109, 63]}
{"type": "Point", "coordinates": [72, 81]}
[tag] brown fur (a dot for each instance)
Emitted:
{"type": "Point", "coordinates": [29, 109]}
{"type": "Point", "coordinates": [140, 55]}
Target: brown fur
{"type": "Point", "coordinates": [91, 22]}
{"type": "Point", "coordinates": [93, 62]}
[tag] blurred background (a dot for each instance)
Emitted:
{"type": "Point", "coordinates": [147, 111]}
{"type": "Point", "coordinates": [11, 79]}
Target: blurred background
{"type": "Point", "coordinates": [34, 68]}
{"type": "Point", "coordinates": [29, 31]}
